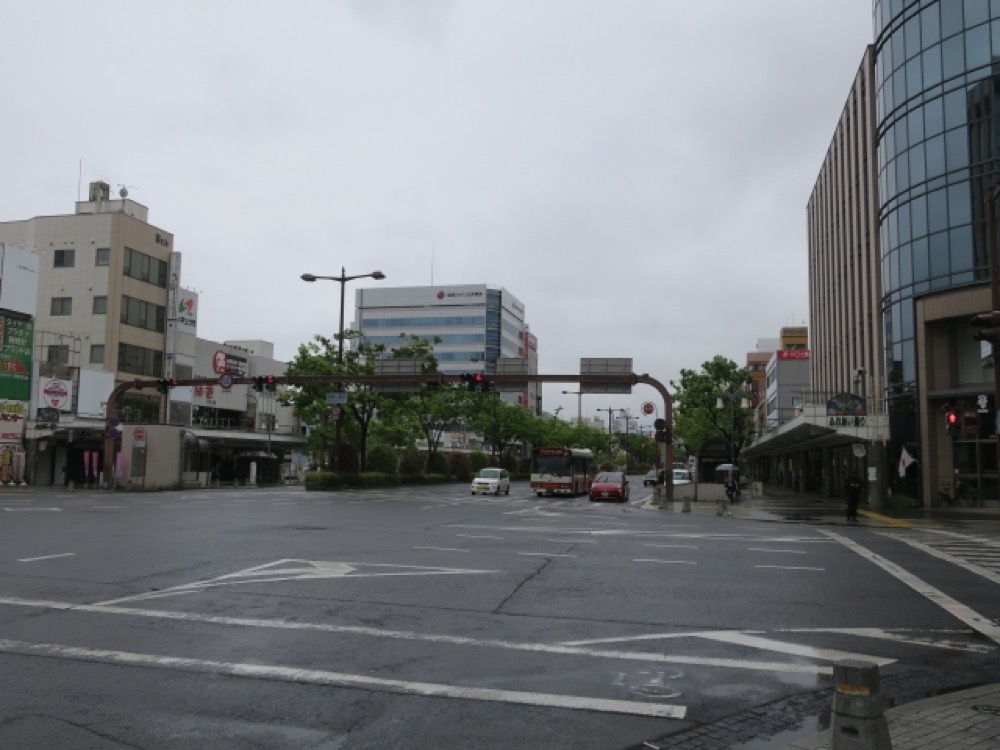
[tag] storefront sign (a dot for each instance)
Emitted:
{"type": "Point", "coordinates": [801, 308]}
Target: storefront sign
{"type": "Point", "coordinates": [55, 393]}
{"type": "Point", "coordinates": [847, 421]}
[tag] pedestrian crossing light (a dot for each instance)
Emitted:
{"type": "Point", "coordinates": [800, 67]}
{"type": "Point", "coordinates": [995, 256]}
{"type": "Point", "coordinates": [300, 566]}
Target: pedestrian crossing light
{"type": "Point", "coordinates": [951, 421]}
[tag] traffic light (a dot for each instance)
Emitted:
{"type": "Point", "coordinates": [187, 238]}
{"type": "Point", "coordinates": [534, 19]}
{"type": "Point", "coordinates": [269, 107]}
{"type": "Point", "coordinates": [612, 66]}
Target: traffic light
{"type": "Point", "coordinates": [270, 382]}
{"type": "Point", "coordinates": [987, 326]}
{"type": "Point", "coordinates": [662, 433]}
{"type": "Point", "coordinates": [258, 383]}
{"type": "Point", "coordinates": [475, 381]}
{"type": "Point", "coordinates": [951, 421]}
{"type": "Point", "coordinates": [163, 385]}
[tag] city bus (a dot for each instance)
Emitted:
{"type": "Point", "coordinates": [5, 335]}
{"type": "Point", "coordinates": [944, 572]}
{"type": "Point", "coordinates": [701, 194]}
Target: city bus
{"type": "Point", "coordinates": [561, 471]}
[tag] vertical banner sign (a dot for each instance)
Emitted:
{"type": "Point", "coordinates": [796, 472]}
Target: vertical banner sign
{"type": "Point", "coordinates": [173, 293]}
{"type": "Point", "coordinates": [16, 337]}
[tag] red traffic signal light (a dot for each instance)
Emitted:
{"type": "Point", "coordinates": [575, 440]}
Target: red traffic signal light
{"type": "Point", "coordinates": [270, 382]}
{"type": "Point", "coordinates": [951, 421]}
{"type": "Point", "coordinates": [163, 385]}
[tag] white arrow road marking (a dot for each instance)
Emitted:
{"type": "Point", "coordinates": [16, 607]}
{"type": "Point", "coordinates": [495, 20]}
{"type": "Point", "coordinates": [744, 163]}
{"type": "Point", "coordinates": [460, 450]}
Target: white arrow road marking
{"type": "Point", "coordinates": [341, 679]}
{"type": "Point", "coordinates": [297, 570]}
{"type": "Point", "coordinates": [966, 614]}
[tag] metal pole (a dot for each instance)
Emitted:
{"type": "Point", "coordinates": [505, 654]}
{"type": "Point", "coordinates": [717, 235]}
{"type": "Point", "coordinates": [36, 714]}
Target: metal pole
{"type": "Point", "coordinates": [340, 361]}
{"type": "Point", "coordinates": [579, 407]}
{"type": "Point", "coordinates": [995, 307]}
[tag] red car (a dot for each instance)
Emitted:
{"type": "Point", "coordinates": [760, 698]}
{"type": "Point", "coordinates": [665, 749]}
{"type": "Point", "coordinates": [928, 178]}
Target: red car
{"type": "Point", "coordinates": [609, 485]}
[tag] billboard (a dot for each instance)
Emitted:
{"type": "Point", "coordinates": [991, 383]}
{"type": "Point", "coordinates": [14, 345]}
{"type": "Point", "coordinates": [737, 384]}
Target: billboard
{"type": "Point", "coordinates": [18, 279]}
{"type": "Point", "coordinates": [12, 420]}
{"type": "Point", "coordinates": [187, 311]}
{"type": "Point", "coordinates": [16, 340]}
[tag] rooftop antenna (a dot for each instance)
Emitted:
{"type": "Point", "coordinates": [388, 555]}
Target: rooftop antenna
{"type": "Point", "coordinates": [123, 190]}
{"type": "Point", "coordinates": [432, 262]}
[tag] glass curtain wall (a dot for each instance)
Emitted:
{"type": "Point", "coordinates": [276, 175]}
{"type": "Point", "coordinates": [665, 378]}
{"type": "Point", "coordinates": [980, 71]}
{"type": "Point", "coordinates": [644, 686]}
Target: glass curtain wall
{"type": "Point", "coordinates": [938, 76]}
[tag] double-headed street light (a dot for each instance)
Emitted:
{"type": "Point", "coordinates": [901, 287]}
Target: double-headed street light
{"type": "Point", "coordinates": [343, 279]}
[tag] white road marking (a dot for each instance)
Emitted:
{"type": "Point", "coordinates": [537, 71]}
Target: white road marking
{"type": "Point", "coordinates": [297, 570]}
{"type": "Point", "coordinates": [11, 510]}
{"type": "Point", "coordinates": [788, 567]}
{"type": "Point", "coordinates": [669, 562]}
{"type": "Point", "coordinates": [966, 614]}
{"type": "Point", "coordinates": [479, 536]}
{"type": "Point", "coordinates": [543, 554]}
{"type": "Point", "coordinates": [323, 677]}
{"type": "Point", "coordinates": [969, 566]}
{"type": "Point", "coordinates": [789, 551]}
{"type": "Point", "coordinates": [637, 656]}
{"type": "Point", "coordinates": [443, 549]}
{"type": "Point", "coordinates": [573, 541]}
{"type": "Point", "coordinates": [106, 507]}
{"type": "Point", "coordinates": [673, 546]}
{"type": "Point", "coordinates": [47, 557]}
{"type": "Point", "coordinates": [902, 636]}
{"type": "Point", "coordinates": [767, 644]}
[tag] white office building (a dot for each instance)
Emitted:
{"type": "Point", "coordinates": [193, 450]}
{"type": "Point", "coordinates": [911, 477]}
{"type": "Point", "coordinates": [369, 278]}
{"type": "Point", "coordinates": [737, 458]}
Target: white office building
{"type": "Point", "coordinates": [476, 324]}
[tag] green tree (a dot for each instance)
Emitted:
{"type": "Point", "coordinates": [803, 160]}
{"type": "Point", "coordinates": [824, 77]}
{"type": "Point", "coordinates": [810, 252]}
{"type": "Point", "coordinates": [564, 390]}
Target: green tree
{"type": "Point", "coordinates": [319, 358]}
{"type": "Point", "coordinates": [697, 417]}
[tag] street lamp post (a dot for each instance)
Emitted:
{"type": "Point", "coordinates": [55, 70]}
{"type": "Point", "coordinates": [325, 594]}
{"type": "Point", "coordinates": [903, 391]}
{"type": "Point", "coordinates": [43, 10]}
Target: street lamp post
{"type": "Point", "coordinates": [579, 405]}
{"type": "Point", "coordinates": [343, 279]}
{"type": "Point", "coordinates": [740, 394]}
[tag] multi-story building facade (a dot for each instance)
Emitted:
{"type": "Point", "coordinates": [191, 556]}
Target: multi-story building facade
{"type": "Point", "coordinates": [109, 309]}
{"type": "Point", "coordinates": [476, 325]}
{"type": "Point", "coordinates": [936, 128]}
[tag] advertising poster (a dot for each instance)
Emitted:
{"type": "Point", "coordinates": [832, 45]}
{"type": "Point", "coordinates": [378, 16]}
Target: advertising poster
{"type": "Point", "coordinates": [16, 338]}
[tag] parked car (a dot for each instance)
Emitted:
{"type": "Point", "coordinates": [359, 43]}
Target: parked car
{"type": "Point", "coordinates": [650, 479]}
{"type": "Point", "coordinates": [610, 485]}
{"type": "Point", "coordinates": [491, 481]}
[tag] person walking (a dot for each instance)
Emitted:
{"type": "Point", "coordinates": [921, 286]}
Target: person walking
{"type": "Point", "coordinates": [854, 487]}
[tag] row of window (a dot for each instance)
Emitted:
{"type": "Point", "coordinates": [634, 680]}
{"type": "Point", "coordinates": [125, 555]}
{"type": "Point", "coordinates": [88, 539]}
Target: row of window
{"type": "Point", "coordinates": [67, 258]}
{"type": "Point", "coordinates": [137, 265]}
{"type": "Point", "coordinates": [435, 322]}
{"type": "Point", "coordinates": [59, 354]}
{"type": "Point", "coordinates": [134, 312]}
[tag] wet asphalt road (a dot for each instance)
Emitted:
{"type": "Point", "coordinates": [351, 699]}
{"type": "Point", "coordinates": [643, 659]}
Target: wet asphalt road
{"type": "Point", "coordinates": [428, 618]}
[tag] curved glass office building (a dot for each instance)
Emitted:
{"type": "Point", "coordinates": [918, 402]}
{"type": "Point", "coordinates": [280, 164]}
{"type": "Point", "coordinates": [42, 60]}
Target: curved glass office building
{"type": "Point", "coordinates": [937, 77]}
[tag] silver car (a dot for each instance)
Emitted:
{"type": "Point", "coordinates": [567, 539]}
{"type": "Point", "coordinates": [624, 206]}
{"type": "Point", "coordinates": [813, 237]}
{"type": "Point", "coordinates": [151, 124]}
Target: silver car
{"type": "Point", "coordinates": [491, 481]}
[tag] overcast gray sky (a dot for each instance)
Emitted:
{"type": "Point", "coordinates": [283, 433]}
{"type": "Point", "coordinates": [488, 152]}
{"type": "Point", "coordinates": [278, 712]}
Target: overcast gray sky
{"type": "Point", "coordinates": [635, 171]}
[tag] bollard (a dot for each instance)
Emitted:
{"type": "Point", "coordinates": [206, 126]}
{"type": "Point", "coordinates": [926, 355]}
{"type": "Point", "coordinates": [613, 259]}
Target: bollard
{"type": "Point", "coordinates": [858, 721]}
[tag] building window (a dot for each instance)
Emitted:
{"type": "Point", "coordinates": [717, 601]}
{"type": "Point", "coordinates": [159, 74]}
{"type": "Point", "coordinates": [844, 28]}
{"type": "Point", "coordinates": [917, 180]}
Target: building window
{"type": "Point", "coordinates": [100, 306]}
{"type": "Point", "coordinates": [62, 306]}
{"type": "Point", "coordinates": [140, 361]}
{"type": "Point", "coordinates": [58, 355]}
{"type": "Point", "coordinates": [102, 256]}
{"type": "Point", "coordinates": [142, 314]}
{"type": "Point", "coordinates": [145, 268]}
{"type": "Point", "coordinates": [64, 259]}
{"type": "Point", "coordinates": [97, 354]}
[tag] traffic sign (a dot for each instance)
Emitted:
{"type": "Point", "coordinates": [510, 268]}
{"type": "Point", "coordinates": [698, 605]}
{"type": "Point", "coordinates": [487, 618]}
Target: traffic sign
{"type": "Point", "coordinates": [335, 412]}
{"type": "Point", "coordinates": [648, 407]}
{"type": "Point", "coordinates": [336, 398]}
{"type": "Point", "coordinates": [226, 380]}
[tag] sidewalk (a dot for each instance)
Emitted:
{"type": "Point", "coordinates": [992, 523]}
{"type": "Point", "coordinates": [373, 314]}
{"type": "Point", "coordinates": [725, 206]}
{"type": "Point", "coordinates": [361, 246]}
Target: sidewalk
{"type": "Point", "coordinates": [966, 720]}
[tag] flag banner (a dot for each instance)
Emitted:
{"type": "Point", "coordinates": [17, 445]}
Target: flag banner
{"type": "Point", "coordinates": [905, 459]}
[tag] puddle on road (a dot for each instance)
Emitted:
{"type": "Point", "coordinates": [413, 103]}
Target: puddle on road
{"type": "Point", "coordinates": [809, 728]}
